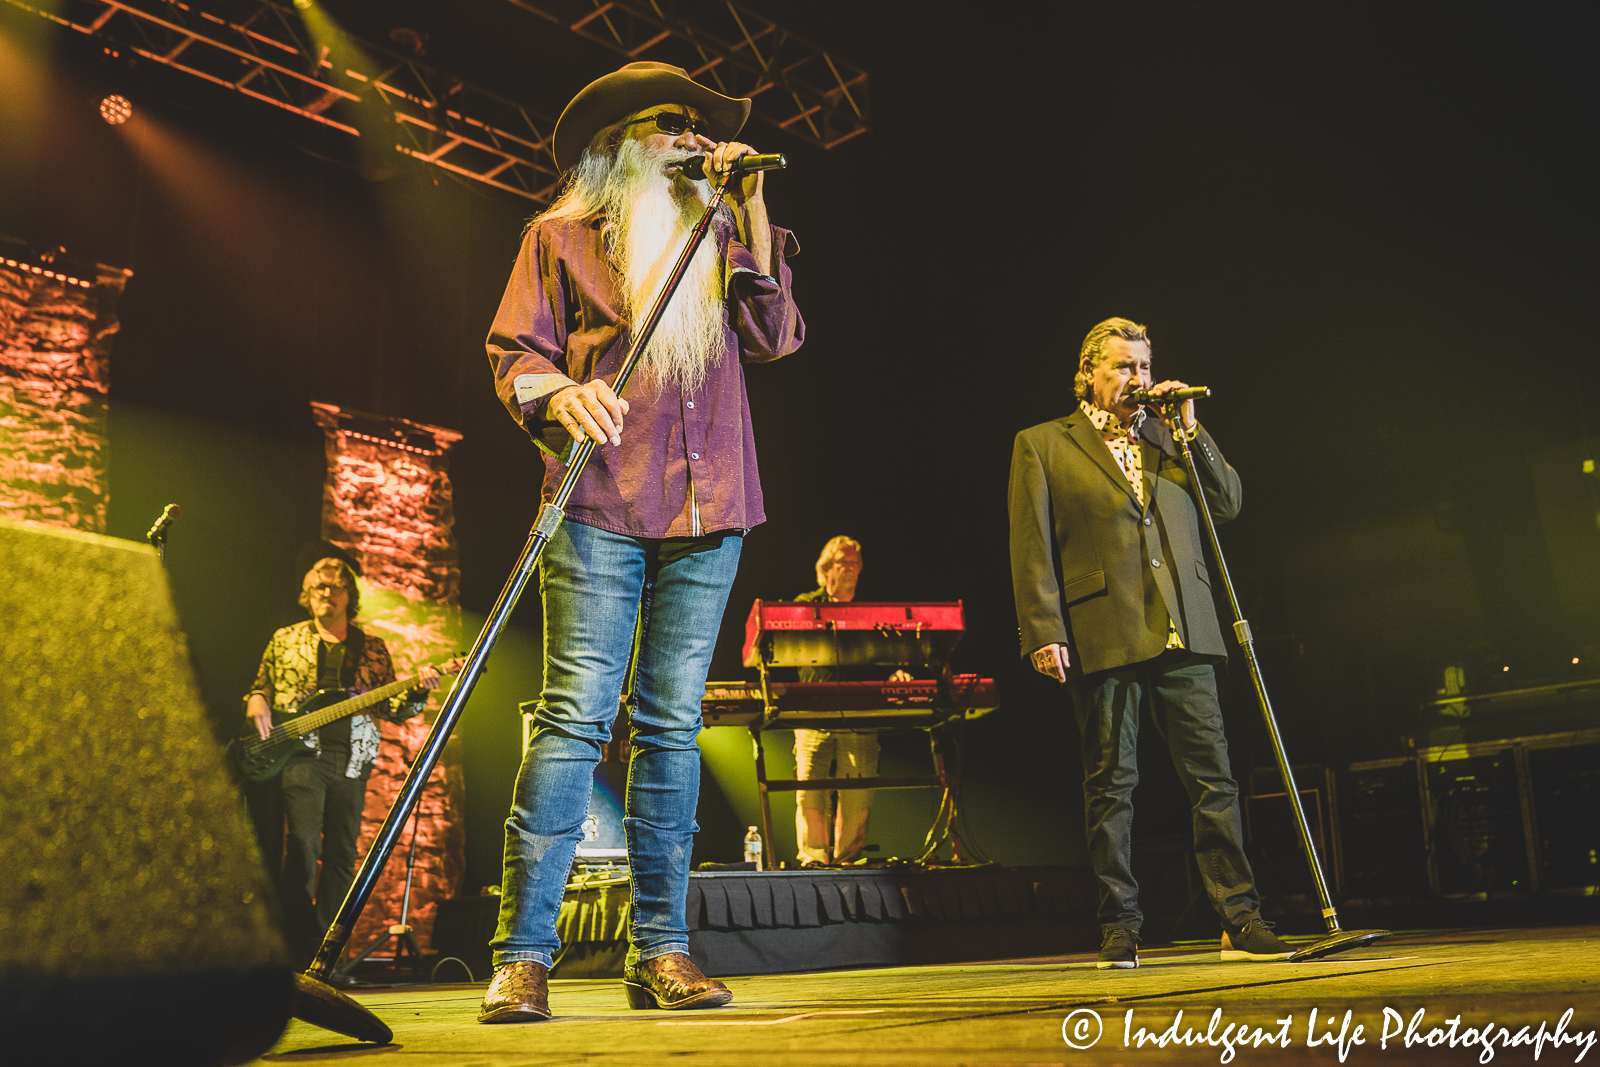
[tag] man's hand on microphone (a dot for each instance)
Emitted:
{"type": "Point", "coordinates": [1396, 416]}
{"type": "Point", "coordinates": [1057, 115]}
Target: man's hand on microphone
{"type": "Point", "coordinates": [1163, 388]}
{"type": "Point", "coordinates": [589, 410]}
{"type": "Point", "coordinates": [720, 159]}
{"type": "Point", "coordinates": [1052, 660]}
{"type": "Point", "coordinates": [749, 207]}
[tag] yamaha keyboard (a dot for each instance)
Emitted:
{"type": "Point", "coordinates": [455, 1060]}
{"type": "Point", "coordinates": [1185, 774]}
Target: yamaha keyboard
{"type": "Point", "coordinates": [848, 705]}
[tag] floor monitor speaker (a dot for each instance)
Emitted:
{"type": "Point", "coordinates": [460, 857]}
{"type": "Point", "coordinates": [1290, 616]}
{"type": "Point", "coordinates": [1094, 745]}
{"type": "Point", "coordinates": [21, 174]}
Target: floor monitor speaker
{"type": "Point", "coordinates": [135, 920]}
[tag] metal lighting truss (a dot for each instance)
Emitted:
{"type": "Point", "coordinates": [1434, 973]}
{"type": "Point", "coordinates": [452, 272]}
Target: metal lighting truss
{"type": "Point", "coordinates": [796, 85]}
{"type": "Point", "coordinates": [265, 52]}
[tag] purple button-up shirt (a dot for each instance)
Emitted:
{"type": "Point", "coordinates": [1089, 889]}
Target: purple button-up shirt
{"type": "Point", "coordinates": [687, 462]}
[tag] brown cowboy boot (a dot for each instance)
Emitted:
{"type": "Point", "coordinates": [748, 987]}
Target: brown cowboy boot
{"type": "Point", "coordinates": [518, 994]}
{"type": "Point", "coordinates": [672, 981]}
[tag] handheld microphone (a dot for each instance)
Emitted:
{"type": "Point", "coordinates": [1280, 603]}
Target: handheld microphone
{"type": "Point", "coordinates": [157, 533]}
{"type": "Point", "coordinates": [695, 166]}
{"type": "Point", "coordinates": [1175, 396]}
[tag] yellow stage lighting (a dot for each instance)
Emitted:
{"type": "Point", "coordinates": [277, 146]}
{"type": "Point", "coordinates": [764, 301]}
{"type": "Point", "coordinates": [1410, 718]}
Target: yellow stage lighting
{"type": "Point", "coordinates": [116, 109]}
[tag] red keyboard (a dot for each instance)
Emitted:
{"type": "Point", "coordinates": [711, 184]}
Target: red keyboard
{"type": "Point", "coordinates": [788, 634]}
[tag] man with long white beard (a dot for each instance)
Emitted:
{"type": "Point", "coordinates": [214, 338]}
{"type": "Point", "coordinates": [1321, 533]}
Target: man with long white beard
{"type": "Point", "coordinates": [653, 529]}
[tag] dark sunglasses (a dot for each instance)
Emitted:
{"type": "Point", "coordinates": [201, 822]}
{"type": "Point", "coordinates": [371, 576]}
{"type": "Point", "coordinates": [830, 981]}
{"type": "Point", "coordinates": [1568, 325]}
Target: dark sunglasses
{"type": "Point", "coordinates": [673, 123]}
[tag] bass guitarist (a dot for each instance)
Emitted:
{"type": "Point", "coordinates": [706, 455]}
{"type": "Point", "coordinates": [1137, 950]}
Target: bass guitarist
{"type": "Point", "coordinates": [324, 788]}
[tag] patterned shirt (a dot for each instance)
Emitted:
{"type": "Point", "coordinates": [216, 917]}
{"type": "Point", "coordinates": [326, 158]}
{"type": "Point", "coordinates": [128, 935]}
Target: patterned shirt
{"type": "Point", "coordinates": [1129, 454]}
{"type": "Point", "coordinates": [1123, 442]}
{"type": "Point", "coordinates": [288, 674]}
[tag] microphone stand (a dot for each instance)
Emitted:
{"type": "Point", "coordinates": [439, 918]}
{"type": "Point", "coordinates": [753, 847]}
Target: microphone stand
{"type": "Point", "coordinates": [404, 937]}
{"type": "Point", "coordinates": [316, 1002]}
{"type": "Point", "coordinates": [1337, 939]}
{"type": "Point", "coordinates": [157, 534]}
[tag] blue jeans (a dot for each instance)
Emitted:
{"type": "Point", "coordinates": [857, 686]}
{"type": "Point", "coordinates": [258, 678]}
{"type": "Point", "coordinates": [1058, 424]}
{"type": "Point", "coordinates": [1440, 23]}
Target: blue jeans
{"type": "Point", "coordinates": [598, 588]}
{"type": "Point", "coordinates": [1182, 690]}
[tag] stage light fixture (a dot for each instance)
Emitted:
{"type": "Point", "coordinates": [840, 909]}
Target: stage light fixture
{"type": "Point", "coordinates": [116, 109]}
{"type": "Point", "coordinates": [303, 5]}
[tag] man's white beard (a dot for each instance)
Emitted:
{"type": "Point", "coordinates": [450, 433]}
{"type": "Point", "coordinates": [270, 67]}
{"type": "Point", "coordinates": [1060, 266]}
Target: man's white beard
{"type": "Point", "coordinates": [650, 214]}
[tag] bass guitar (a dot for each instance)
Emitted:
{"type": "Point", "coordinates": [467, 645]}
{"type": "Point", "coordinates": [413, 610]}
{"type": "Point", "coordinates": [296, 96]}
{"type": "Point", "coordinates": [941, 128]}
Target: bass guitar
{"type": "Point", "coordinates": [255, 758]}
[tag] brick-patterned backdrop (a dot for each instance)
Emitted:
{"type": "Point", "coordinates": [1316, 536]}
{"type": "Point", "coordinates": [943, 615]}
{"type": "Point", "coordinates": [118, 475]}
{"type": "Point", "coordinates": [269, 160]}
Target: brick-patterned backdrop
{"type": "Point", "coordinates": [387, 501]}
{"type": "Point", "coordinates": [57, 320]}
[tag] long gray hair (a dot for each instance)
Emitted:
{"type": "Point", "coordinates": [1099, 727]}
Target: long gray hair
{"type": "Point", "coordinates": [648, 213]}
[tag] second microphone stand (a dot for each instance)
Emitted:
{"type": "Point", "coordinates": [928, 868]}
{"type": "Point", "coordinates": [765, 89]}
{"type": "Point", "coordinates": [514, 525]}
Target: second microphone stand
{"type": "Point", "coordinates": [404, 936]}
{"type": "Point", "coordinates": [317, 1002]}
{"type": "Point", "coordinates": [1337, 939]}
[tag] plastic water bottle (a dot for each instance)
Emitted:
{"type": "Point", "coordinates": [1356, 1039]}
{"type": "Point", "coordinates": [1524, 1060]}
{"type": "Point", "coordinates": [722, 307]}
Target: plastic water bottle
{"type": "Point", "coordinates": [752, 848]}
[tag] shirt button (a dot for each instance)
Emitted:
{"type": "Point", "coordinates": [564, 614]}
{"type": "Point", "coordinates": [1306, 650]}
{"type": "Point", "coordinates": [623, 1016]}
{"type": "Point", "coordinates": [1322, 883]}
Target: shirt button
{"type": "Point", "coordinates": [694, 455]}
{"type": "Point", "coordinates": [1147, 522]}
{"type": "Point", "coordinates": [1155, 563]}
{"type": "Point", "coordinates": [689, 403]}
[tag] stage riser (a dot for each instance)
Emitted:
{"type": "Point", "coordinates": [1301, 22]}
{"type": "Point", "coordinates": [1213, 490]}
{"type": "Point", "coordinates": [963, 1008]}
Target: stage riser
{"type": "Point", "coordinates": [728, 953]}
{"type": "Point", "coordinates": [805, 921]}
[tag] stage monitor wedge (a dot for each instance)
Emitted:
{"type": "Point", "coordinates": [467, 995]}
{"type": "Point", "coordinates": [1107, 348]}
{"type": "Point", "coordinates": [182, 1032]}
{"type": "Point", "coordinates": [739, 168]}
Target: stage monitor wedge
{"type": "Point", "coordinates": [135, 921]}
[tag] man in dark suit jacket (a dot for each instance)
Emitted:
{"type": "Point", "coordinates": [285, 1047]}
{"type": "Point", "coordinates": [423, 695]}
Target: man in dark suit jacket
{"type": "Point", "coordinates": [1113, 594]}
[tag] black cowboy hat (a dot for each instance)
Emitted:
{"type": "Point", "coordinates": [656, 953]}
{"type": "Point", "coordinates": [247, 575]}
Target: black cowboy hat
{"type": "Point", "coordinates": [608, 100]}
{"type": "Point", "coordinates": [314, 552]}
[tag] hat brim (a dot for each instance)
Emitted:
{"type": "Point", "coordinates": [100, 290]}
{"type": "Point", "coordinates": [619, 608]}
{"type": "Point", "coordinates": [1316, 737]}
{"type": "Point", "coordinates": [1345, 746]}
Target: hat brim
{"type": "Point", "coordinates": [314, 552]}
{"type": "Point", "coordinates": [608, 100]}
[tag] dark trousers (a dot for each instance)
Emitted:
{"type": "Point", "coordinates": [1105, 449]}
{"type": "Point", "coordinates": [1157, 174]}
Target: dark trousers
{"type": "Point", "coordinates": [324, 814]}
{"type": "Point", "coordinates": [1181, 691]}
{"type": "Point", "coordinates": [264, 801]}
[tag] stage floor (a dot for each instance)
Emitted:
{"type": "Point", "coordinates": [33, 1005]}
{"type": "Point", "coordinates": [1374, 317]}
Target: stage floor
{"type": "Point", "coordinates": [1012, 1011]}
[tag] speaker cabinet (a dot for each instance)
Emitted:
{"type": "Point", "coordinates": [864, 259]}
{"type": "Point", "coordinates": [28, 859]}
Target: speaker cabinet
{"type": "Point", "coordinates": [1385, 832]}
{"type": "Point", "coordinates": [1565, 783]}
{"type": "Point", "coordinates": [135, 921]}
{"type": "Point", "coordinates": [1276, 851]}
{"type": "Point", "coordinates": [1479, 831]}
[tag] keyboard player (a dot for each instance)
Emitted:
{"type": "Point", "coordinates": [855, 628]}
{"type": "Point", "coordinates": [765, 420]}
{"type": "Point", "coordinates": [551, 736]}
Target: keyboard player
{"type": "Point", "coordinates": [842, 838]}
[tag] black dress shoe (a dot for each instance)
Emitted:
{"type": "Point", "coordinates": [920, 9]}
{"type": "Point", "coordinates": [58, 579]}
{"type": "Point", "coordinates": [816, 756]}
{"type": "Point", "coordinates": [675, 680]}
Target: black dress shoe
{"type": "Point", "coordinates": [1253, 940]}
{"type": "Point", "coordinates": [1119, 950]}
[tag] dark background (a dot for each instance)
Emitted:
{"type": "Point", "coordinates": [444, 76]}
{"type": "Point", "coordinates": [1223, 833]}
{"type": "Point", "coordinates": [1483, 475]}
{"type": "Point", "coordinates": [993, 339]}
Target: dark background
{"type": "Point", "coordinates": [1369, 229]}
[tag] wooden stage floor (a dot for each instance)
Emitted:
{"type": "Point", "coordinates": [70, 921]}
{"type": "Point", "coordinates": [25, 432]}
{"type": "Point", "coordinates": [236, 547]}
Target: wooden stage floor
{"type": "Point", "coordinates": [1013, 1011]}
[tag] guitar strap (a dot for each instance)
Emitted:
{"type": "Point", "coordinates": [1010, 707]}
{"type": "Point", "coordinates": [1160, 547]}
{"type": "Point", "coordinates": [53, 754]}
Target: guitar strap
{"type": "Point", "coordinates": [355, 644]}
